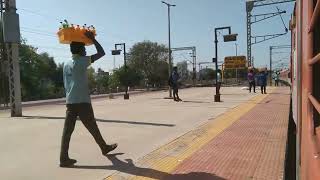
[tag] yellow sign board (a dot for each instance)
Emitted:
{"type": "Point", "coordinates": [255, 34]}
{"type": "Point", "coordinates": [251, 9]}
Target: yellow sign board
{"type": "Point", "coordinates": [235, 62]}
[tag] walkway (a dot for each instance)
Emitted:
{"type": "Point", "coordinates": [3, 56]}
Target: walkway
{"type": "Point", "coordinates": [247, 142]}
{"type": "Point", "coordinates": [30, 145]}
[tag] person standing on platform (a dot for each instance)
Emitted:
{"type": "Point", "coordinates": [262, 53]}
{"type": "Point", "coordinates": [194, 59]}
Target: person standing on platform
{"type": "Point", "coordinates": [78, 100]}
{"type": "Point", "coordinates": [262, 80]}
{"type": "Point", "coordinates": [251, 79]}
{"type": "Point", "coordinates": [219, 80]}
{"type": "Point", "coordinates": [276, 79]}
{"type": "Point", "coordinates": [174, 84]}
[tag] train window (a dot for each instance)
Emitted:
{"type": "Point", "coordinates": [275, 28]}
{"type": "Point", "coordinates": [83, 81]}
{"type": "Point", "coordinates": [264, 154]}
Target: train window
{"type": "Point", "coordinates": [316, 70]}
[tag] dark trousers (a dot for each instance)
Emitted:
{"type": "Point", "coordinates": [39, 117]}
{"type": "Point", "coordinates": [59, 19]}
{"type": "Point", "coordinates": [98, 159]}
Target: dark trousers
{"type": "Point", "coordinates": [219, 87]}
{"type": "Point", "coordinates": [252, 84]}
{"type": "Point", "coordinates": [263, 89]}
{"type": "Point", "coordinates": [276, 82]}
{"type": "Point", "coordinates": [86, 115]}
{"type": "Point", "coordinates": [175, 92]}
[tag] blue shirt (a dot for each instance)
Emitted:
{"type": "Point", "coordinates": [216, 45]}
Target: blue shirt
{"type": "Point", "coordinates": [262, 79]}
{"type": "Point", "coordinates": [75, 78]}
{"type": "Point", "coordinates": [175, 77]}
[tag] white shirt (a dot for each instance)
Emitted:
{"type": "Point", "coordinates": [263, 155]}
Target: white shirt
{"type": "Point", "coordinates": [219, 77]}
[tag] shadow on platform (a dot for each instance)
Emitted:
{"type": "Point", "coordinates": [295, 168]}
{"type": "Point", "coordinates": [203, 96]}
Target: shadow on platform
{"type": "Point", "coordinates": [129, 167]}
{"type": "Point", "coordinates": [205, 102]}
{"type": "Point", "coordinates": [105, 121]}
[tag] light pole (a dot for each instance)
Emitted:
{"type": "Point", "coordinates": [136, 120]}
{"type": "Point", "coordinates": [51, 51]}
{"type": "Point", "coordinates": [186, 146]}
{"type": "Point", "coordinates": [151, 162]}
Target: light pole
{"type": "Point", "coordinates": [236, 48]}
{"type": "Point", "coordinates": [227, 38]}
{"type": "Point", "coordinates": [170, 63]}
{"type": "Point", "coordinates": [270, 75]}
{"type": "Point", "coordinates": [118, 52]}
{"type": "Point", "coordinates": [194, 70]}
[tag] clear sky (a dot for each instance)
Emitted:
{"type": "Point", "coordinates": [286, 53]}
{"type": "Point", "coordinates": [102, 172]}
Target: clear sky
{"type": "Point", "coordinates": [131, 21]}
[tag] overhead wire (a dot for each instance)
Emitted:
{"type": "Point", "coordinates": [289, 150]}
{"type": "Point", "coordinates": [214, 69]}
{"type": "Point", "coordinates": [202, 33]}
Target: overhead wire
{"type": "Point", "coordinates": [101, 31]}
{"type": "Point", "coordinates": [39, 30]}
{"type": "Point", "coordinates": [183, 57]}
{"type": "Point", "coordinates": [61, 20]}
{"type": "Point", "coordinates": [286, 29]}
{"type": "Point", "coordinates": [39, 14]}
{"type": "Point", "coordinates": [38, 33]}
{"type": "Point", "coordinates": [282, 52]}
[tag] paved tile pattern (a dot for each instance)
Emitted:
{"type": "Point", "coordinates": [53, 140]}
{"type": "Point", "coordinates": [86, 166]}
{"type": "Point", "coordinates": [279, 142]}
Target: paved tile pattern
{"type": "Point", "coordinates": [232, 146]}
{"type": "Point", "coordinates": [252, 148]}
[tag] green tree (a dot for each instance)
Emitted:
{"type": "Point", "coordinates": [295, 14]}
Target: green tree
{"type": "Point", "coordinates": [41, 78]}
{"type": "Point", "coordinates": [102, 79]}
{"type": "Point", "coordinates": [207, 74]}
{"type": "Point", "coordinates": [183, 70]}
{"type": "Point", "coordinates": [114, 81]}
{"type": "Point", "coordinates": [91, 79]}
{"type": "Point", "coordinates": [128, 77]}
{"type": "Point", "coordinates": [28, 65]}
{"type": "Point", "coordinates": [150, 60]}
{"type": "Point", "coordinates": [58, 81]}
{"type": "Point", "coordinates": [230, 73]}
{"type": "Point", "coordinates": [4, 88]}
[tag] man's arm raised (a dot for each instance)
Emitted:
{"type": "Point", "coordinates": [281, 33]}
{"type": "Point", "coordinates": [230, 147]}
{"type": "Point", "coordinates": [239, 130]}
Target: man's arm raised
{"type": "Point", "coordinates": [100, 52]}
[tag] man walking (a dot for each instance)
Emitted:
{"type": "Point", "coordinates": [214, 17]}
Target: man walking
{"type": "Point", "coordinates": [78, 100]}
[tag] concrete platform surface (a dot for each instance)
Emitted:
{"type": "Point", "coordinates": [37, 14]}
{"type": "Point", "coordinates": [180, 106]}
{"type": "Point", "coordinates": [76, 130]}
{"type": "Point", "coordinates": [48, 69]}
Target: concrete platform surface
{"type": "Point", "coordinates": [30, 145]}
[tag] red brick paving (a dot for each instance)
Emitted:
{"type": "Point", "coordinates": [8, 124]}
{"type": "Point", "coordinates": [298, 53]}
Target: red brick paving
{"type": "Point", "coordinates": [251, 148]}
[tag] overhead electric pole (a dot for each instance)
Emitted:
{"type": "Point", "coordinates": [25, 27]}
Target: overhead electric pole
{"type": "Point", "coordinates": [169, 37]}
{"type": "Point", "coordinates": [252, 19]}
{"type": "Point", "coordinates": [271, 53]}
{"type": "Point", "coordinates": [194, 60]}
{"type": "Point", "coordinates": [11, 37]}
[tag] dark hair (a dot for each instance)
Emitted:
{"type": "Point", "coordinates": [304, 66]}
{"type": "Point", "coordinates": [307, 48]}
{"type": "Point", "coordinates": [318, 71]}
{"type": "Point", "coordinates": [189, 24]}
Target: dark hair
{"type": "Point", "coordinates": [175, 68]}
{"type": "Point", "coordinates": [77, 48]}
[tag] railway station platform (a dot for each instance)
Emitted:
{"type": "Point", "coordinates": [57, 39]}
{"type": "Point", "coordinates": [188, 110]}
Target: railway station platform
{"type": "Point", "coordinates": [246, 142]}
{"type": "Point", "coordinates": [242, 137]}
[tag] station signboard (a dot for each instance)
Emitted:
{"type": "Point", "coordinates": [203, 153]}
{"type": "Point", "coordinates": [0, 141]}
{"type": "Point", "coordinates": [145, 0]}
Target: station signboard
{"type": "Point", "coordinates": [235, 62]}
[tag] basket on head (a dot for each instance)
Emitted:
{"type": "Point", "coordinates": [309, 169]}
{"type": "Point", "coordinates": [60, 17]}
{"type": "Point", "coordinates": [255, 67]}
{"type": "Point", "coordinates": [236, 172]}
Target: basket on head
{"type": "Point", "coordinates": [70, 33]}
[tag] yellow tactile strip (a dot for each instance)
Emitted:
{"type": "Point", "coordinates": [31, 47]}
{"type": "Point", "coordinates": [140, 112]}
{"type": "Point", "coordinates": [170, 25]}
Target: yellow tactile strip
{"type": "Point", "coordinates": [164, 160]}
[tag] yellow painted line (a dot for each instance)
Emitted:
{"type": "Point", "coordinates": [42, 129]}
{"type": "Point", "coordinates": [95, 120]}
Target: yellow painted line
{"type": "Point", "coordinates": [168, 157]}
